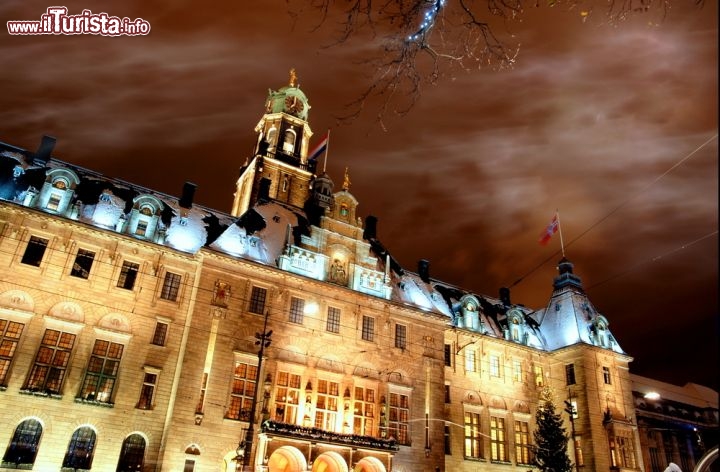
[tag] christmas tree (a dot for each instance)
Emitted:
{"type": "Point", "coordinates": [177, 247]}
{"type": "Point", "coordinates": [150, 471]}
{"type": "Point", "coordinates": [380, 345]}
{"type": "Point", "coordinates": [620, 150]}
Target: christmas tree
{"type": "Point", "coordinates": [550, 438]}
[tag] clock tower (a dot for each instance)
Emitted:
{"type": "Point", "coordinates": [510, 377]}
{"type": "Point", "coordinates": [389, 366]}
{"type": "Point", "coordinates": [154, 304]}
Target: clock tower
{"type": "Point", "coordinates": [279, 169]}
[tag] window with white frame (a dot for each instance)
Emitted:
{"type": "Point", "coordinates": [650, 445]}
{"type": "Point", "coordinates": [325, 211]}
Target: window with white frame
{"type": "Point", "coordinates": [470, 360]}
{"type": "Point", "coordinates": [147, 391]}
{"type": "Point", "coordinates": [243, 388]}
{"type": "Point", "coordinates": [364, 411]}
{"type": "Point", "coordinates": [326, 408]}
{"type": "Point", "coordinates": [297, 310]}
{"type": "Point", "coordinates": [494, 365]}
{"type": "Point", "coordinates": [287, 397]}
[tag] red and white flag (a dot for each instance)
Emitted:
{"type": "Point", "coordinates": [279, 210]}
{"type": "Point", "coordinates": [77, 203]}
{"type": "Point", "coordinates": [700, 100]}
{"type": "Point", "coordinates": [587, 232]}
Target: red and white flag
{"type": "Point", "coordinates": [551, 229]}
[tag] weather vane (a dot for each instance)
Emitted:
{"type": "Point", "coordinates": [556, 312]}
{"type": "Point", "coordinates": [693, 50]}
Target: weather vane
{"type": "Point", "coordinates": [346, 180]}
{"type": "Point", "coordinates": [293, 78]}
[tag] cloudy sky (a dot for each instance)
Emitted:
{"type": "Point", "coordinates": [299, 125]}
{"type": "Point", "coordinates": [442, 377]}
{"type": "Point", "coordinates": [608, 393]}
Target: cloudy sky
{"type": "Point", "coordinates": [589, 121]}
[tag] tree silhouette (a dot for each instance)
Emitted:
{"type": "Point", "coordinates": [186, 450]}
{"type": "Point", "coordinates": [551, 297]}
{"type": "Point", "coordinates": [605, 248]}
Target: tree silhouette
{"type": "Point", "coordinates": [550, 439]}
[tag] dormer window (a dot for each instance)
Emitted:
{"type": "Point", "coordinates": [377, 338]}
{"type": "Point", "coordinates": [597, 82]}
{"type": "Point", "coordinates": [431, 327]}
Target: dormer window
{"type": "Point", "coordinates": [105, 197]}
{"type": "Point", "coordinates": [146, 210]}
{"type": "Point", "coordinates": [60, 184]}
{"type": "Point", "coordinates": [53, 202]}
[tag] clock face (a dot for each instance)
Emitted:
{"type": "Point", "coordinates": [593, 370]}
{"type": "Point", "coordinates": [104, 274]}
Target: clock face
{"type": "Point", "coordinates": [293, 105]}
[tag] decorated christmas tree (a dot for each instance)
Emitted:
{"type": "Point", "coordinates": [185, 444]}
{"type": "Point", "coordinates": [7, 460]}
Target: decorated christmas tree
{"type": "Point", "coordinates": [550, 438]}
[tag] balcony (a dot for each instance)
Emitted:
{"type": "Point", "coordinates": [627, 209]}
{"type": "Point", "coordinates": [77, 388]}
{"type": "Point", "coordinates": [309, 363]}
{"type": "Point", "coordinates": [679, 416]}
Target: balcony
{"type": "Point", "coordinates": [319, 435]}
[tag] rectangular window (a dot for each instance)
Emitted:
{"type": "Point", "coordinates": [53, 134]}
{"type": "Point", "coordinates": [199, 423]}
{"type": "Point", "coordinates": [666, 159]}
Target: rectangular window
{"type": "Point", "coordinates": [34, 251]}
{"type": "Point", "coordinates": [400, 336]}
{"type": "Point", "coordinates": [53, 202]}
{"type": "Point", "coordinates": [447, 393]}
{"type": "Point", "coordinates": [517, 370]}
{"type": "Point", "coordinates": [141, 228]}
{"type": "Point", "coordinates": [469, 360]}
{"type": "Point", "coordinates": [160, 334]}
{"type": "Point", "coordinates": [364, 411]}
{"type": "Point", "coordinates": [579, 458]}
{"type": "Point", "coordinates": [498, 441]}
{"type": "Point", "coordinates": [171, 286]}
{"type": "Point", "coordinates": [297, 310]}
{"type": "Point", "coordinates": [328, 399]}
{"type": "Point", "coordinates": [570, 374]}
{"type": "Point", "coordinates": [257, 300]}
{"type": "Point", "coordinates": [147, 392]}
{"type": "Point", "coordinates": [448, 355]}
{"type": "Point", "coordinates": [128, 274]}
{"type": "Point", "coordinates": [102, 371]}
{"type": "Point", "coordinates": [10, 333]}
{"type": "Point", "coordinates": [522, 442]}
{"type": "Point", "coordinates": [83, 263]}
{"type": "Point", "coordinates": [448, 445]}
{"type": "Point", "coordinates": [624, 454]}
{"type": "Point", "coordinates": [333, 320]}
{"type": "Point", "coordinates": [399, 416]}
{"type": "Point", "coordinates": [539, 377]}
{"type": "Point", "coordinates": [368, 328]}
{"type": "Point", "coordinates": [200, 408]}
{"type": "Point", "coordinates": [189, 465]}
{"type": "Point", "coordinates": [494, 366]}
{"type": "Point", "coordinates": [51, 362]}
{"type": "Point", "coordinates": [606, 375]}
{"type": "Point", "coordinates": [243, 391]}
{"type": "Point", "coordinates": [287, 397]}
{"type": "Point", "coordinates": [473, 439]}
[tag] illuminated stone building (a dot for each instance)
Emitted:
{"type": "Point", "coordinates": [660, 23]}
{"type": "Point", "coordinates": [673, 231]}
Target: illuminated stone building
{"type": "Point", "coordinates": [130, 324]}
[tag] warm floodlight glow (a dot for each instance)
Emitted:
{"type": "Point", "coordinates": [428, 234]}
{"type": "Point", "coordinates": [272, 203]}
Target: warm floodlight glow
{"type": "Point", "coordinates": [311, 308]}
{"type": "Point", "coordinates": [652, 396]}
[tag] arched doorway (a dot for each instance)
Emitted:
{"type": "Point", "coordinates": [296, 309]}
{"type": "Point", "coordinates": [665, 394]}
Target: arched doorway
{"type": "Point", "coordinates": [369, 464]}
{"type": "Point", "coordinates": [330, 462]}
{"type": "Point", "coordinates": [287, 459]}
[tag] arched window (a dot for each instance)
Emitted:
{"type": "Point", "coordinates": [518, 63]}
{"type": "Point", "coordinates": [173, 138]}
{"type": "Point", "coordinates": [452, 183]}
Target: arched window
{"type": "Point", "coordinates": [24, 445]}
{"type": "Point", "coordinates": [81, 449]}
{"type": "Point", "coordinates": [132, 454]}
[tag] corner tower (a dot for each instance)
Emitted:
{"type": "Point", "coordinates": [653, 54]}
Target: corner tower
{"type": "Point", "coordinates": [279, 168]}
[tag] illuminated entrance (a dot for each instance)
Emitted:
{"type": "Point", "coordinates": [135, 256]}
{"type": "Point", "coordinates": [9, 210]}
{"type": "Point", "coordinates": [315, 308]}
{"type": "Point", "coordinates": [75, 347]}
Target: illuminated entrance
{"type": "Point", "coordinates": [369, 464]}
{"type": "Point", "coordinates": [330, 462]}
{"type": "Point", "coordinates": [287, 459]}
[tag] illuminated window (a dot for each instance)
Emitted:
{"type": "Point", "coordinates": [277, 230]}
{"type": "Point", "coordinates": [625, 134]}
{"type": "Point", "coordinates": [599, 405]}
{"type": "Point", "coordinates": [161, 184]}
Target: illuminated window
{"type": "Point", "coordinates": [53, 202]}
{"type": "Point", "coordinates": [141, 228]}
{"type": "Point", "coordinates": [622, 450]}
{"type": "Point", "coordinates": [243, 390]}
{"type": "Point", "coordinates": [498, 441]}
{"type": "Point", "coordinates": [160, 334]}
{"type": "Point", "coordinates": [51, 362]}
{"type": "Point", "coordinates": [287, 397]}
{"type": "Point", "coordinates": [171, 287]}
{"type": "Point", "coordinates": [81, 449]}
{"type": "Point", "coordinates": [570, 374]}
{"type": "Point", "coordinates": [34, 251]}
{"type": "Point", "coordinates": [22, 449]}
{"type": "Point", "coordinates": [473, 439]}
{"type": "Point", "coordinates": [128, 275]}
{"type": "Point", "coordinates": [83, 263]}
{"type": "Point", "coordinates": [364, 411]}
{"type": "Point", "coordinates": [102, 371]}
{"type": "Point", "coordinates": [606, 375]}
{"type": "Point", "coordinates": [399, 416]}
{"type": "Point", "coordinates": [326, 408]}
{"type": "Point", "coordinates": [333, 320]}
{"type": "Point", "coordinates": [132, 454]}
{"type": "Point", "coordinates": [517, 370]}
{"type": "Point", "coordinates": [257, 300]}
{"type": "Point", "coordinates": [494, 366]}
{"type": "Point", "coordinates": [289, 142]}
{"type": "Point", "coordinates": [297, 310]}
{"type": "Point", "coordinates": [147, 391]}
{"type": "Point", "coordinates": [579, 458]}
{"type": "Point", "coordinates": [522, 442]}
{"type": "Point", "coordinates": [368, 328]}
{"type": "Point", "coordinates": [469, 360]}
{"type": "Point", "coordinates": [344, 210]}
{"type": "Point", "coordinates": [10, 333]}
{"type": "Point", "coordinates": [400, 336]}
{"type": "Point", "coordinates": [539, 377]}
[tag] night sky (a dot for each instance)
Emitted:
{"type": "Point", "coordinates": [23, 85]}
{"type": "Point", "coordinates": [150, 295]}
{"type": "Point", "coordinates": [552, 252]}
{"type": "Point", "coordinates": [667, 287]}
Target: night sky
{"type": "Point", "coordinates": [588, 121]}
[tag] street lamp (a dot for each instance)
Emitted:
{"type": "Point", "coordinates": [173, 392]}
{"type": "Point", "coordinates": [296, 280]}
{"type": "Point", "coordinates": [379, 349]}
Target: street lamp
{"type": "Point", "coordinates": [263, 340]}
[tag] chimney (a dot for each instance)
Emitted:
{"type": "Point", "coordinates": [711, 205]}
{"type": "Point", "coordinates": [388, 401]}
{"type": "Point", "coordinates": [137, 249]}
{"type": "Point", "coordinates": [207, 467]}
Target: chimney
{"type": "Point", "coordinates": [370, 231]}
{"type": "Point", "coordinates": [264, 191]}
{"type": "Point", "coordinates": [505, 296]}
{"type": "Point", "coordinates": [188, 192]}
{"type": "Point", "coordinates": [42, 156]}
{"type": "Point", "coordinates": [424, 270]}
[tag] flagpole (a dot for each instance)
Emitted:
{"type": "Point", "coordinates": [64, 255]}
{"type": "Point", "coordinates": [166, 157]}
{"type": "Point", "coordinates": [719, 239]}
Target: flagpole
{"type": "Point", "coordinates": [562, 245]}
{"type": "Point", "coordinates": [327, 150]}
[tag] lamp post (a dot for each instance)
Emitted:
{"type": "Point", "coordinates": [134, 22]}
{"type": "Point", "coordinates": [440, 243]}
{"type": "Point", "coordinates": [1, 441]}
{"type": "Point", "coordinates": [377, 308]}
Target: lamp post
{"type": "Point", "coordinates": [262, 340]}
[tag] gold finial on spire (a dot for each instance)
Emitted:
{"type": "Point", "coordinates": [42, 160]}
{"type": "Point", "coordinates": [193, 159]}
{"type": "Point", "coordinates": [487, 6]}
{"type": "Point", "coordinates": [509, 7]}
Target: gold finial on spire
{"type": "Point", "coordinates": [346, 180]}
{"type": "Point", "coordinates": [293, 78]}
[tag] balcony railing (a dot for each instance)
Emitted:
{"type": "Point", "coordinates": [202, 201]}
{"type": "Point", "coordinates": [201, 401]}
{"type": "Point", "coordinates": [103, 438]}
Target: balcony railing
{"type": "Point", "coordinates": [317, 434]}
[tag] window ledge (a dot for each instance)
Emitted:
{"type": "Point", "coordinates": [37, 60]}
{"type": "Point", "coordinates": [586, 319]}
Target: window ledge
{"type": "Point", "coordinates": [501, 462]}
{"type": "Point", "coordinates": [94, 402]}
{"type": "Point", "coordinates": [38, 393]}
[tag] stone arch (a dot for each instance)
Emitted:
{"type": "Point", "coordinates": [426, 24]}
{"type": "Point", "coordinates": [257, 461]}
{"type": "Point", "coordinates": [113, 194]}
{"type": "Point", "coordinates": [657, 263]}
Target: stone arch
{"type": "Point", "coordinates": [70, 311]}
{"type": "Point", "coordinates": [287, 459]}
{"type": "Point", "coordinates": [17, 300]}
{"type": "Point", "coordinates": [472, 397]}
{"type": "Point", "coordinates": [521, 407]}
{"type": "Point", "coordinates": [330, 461]}
{"type": "Point", "coordinates": [369, 464]}
{"type": "Point", "coordinates": [366, 370]}
{"type": "Point", "coordinates": [330, 363]}
{"type": "Point", "coordinates": [498, 403]}
{"type": "Point", "coordinates": [115, 322]}
{"type": "Point", "coordinates": [293, 354]}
